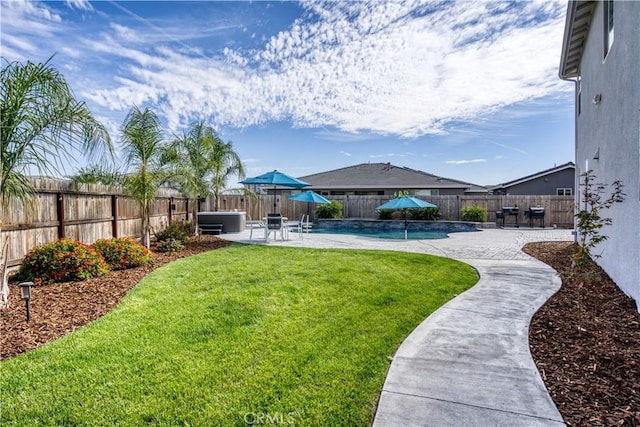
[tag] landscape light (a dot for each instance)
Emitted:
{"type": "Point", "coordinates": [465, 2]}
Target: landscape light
{"type": "Point", "coordinates": [25, 294]}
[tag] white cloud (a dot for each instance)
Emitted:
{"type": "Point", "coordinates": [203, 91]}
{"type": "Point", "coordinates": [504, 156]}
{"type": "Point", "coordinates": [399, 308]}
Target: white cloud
{"type": "Point", "coordinates": [509, 147]}
{"type": "Point", "coordinates": [79, 4]}
{"type": "Point", "coordinates": [124, 33]}
{"type": "Point", "coordinates": [344, 153]}
{"type": "Point", "coordinates": [464, 162]}
{"type": "Point", "coordinates": [40, 11]}
{"type": "Point", "coordinates": [404, 68]}
{"type": "Point", "coordinates": [24, 25]}
{"type": "Point", "coordinates": [250, 160]}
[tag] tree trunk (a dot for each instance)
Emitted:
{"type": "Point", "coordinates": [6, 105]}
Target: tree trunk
{"type": "Point", "coordinates": [216, 201]}
{"type": "Point", "coordinates": [146, 232]}
{"type": "Point", "coordinates": [196, 209]}
{"type": "Point", "coordinates": [4, 284]}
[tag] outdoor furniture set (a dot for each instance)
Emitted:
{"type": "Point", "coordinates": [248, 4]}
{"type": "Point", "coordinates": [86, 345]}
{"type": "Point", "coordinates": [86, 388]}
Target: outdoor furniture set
{"type": "Point", "coordinates": [531, 214]}
{"type": "Point", "coordinates": [277, 224]}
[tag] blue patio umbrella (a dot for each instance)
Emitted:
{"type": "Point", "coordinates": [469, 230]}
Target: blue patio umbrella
{"type": "Point", "coordinates": [276, 179]}
{"type": "Point", "coordinates": [405, 202]}
{"type": "Point", "coordinates": [309, 197]}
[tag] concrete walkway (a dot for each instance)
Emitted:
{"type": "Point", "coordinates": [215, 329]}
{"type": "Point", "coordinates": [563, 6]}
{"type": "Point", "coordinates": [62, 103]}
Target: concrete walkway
{"type": "Point", "coordinates": [468, 364]}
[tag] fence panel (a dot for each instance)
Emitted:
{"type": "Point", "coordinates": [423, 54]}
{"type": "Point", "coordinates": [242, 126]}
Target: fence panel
{"type": "Point", "coordinates": [85, 213]}
{"type": "Point", "coordinates": [559, 210]}
{"type": "Point", "coordinates": [92, 212]}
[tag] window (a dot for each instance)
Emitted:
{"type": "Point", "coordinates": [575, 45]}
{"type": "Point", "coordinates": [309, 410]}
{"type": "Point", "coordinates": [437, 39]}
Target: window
{"type": "Point", "coordinates": [370, 193]}
{"type": "Point", "coordinates": [564, 192]}
{"type": "Point", "coordinates": [608, 26]}
{"type": "Point", "coordinates": [433, 192]}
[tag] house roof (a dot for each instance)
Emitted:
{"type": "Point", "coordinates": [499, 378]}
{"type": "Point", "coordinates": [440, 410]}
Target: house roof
{"type": "Point", "coordinates": [576, 30]}
{"type": "Point", "coordinates": [568, 165]}
{"type": "Point", "coordinates": [384, 175]}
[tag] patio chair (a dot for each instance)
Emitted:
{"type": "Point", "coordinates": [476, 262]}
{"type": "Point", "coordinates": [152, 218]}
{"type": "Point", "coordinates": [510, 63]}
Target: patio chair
{"type": "Point", "coordinates": [301, 226]}
{"type": "Point", "coordinates": [306, 224]}
{"type": "Point", "coordinates": [276, 225]}
{"type": "Point", "coordinates": [256, 225]}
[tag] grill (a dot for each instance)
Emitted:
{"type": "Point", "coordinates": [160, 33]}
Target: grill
{"type": "Point", "coordinates": [508, 211]}
{"type": "Point", "coordinates": [533, 214]}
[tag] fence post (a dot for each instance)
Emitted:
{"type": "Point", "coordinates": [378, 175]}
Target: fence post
{"type": "Point", "coordinates": [114, 215]}
{"type": "Point", "coordinates": [171, 207]}
{"type": "Point", "coordinates": [61, 220]}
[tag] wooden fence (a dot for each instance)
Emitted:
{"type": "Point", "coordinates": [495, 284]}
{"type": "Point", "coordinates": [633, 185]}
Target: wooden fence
{"type": "Point", "coordinates": [559, 210]}
{"type": "Point", "coordinates": [89, 213]}
{"type": "Point", "coordinates": [86, 214]}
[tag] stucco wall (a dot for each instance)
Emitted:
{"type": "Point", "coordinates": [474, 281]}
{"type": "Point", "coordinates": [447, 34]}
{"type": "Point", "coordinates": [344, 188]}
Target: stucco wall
{"type": "Point", "coordinates": [611, 128]}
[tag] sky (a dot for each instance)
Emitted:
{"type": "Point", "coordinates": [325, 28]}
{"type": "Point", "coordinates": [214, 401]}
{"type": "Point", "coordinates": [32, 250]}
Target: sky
{"type": "Point", "coordinates": [467, 90]}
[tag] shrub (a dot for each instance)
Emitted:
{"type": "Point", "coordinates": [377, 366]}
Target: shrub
{"type": "Point", "coordinates": [123, 253]}
{"type": "Point", "coordinates": [474, 213]}
{"type": "Point", "coordinates": [62, 261]}
{"type": "Point", "coordinates": [176, 231]}
{"type": "Point", "coordinates": [589, 220]}
{"type": "Point", "coordinates": [330, 210]}
{"type": "Point", "coordinates": [385, 213]}
{"type": "Point", "coordinates": [425, 214]}
{"type": "Point", "coordinates": [171, 245]}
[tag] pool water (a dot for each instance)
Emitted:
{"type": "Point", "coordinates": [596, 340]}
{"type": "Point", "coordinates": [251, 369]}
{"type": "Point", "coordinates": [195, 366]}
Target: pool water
{"type": "Point", "coordinates": [387, 234]}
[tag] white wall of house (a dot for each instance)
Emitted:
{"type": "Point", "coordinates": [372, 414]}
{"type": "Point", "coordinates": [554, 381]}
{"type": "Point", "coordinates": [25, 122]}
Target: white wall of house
{"type": "Point", "coordinates": [608, 127]}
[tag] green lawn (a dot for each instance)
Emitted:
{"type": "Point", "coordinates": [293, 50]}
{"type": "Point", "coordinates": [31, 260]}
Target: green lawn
{"type": "Point", "coordinates": [260, 334]}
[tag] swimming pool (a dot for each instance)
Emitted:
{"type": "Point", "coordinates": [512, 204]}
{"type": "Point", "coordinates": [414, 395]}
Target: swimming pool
{"type": "Point", "coordinates": [390, 229]}
{"type": "Point", "coordinates": [389, 234]}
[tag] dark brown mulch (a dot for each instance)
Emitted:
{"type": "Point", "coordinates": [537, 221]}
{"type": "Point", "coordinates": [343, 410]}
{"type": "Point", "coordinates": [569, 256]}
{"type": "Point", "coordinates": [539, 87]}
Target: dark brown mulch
{"type": "Point", "coordinates": [60, 308]}
{"type": "Point", "coordinates": [586, 343]}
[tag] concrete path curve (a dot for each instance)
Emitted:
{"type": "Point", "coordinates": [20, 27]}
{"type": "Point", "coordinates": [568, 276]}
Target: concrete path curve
{"type": "Point", "coordinates": [468, 364]}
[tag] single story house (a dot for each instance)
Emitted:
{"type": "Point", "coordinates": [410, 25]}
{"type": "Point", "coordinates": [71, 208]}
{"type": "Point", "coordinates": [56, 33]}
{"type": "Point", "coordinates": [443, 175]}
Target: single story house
{"type": "Point", "coordinates": [557, 181]}
{"type": "Point", "coordinates": [385, 179]}
{"type": "Point", "coordinates": [601, 56]}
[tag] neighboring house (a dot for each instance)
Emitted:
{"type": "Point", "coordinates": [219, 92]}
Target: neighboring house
{"type": "Point", "coordinates": [386, 179]}
{"type": "Point", "coordinates": [557, 181]}
{"type": "Point", "coordinates": [601, 54]}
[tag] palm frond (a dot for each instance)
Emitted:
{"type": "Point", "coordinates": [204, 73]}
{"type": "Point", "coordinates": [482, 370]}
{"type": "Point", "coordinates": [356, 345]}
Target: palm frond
{"type": "Point", "coordinates": [99, 174]}
{"type": "Point", "coordinates": [15, 186]}
{"type": "Point", "coordinates": [41, 125]}
{"type": "Point", "coordinates": [205, 160]}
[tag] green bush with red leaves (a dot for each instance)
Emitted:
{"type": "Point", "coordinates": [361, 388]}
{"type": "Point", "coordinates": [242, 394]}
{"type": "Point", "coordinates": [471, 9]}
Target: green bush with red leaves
{"type": "Point", "coordinates": [65, 260]}
{"type": "Point", "coordinates": [122, 253]}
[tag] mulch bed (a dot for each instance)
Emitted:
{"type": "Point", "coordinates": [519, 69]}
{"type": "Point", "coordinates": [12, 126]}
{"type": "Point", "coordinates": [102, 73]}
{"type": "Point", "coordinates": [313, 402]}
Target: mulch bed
{"type": "Point", "coordinates": [60, 308]}
{"type": "Point", "coordinates": [588, 353]}
{"type": "Point", "coordinates": [586, 343]}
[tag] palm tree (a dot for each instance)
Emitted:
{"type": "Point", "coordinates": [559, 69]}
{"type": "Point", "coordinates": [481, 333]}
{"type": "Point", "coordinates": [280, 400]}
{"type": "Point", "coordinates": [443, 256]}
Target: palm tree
{"type": "Point", "coordinates": [225, 162]}
{"type": "Point", "coordinates": [203, 162]}
{"type": "Point", "coordinates": [41, 122]}
{"type": "Point", "coordinates": [143, 149]}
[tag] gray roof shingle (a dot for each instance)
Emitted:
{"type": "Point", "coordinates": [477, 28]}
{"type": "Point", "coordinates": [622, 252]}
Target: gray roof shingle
{"type": "Point", "coordinates": [383, 175]}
